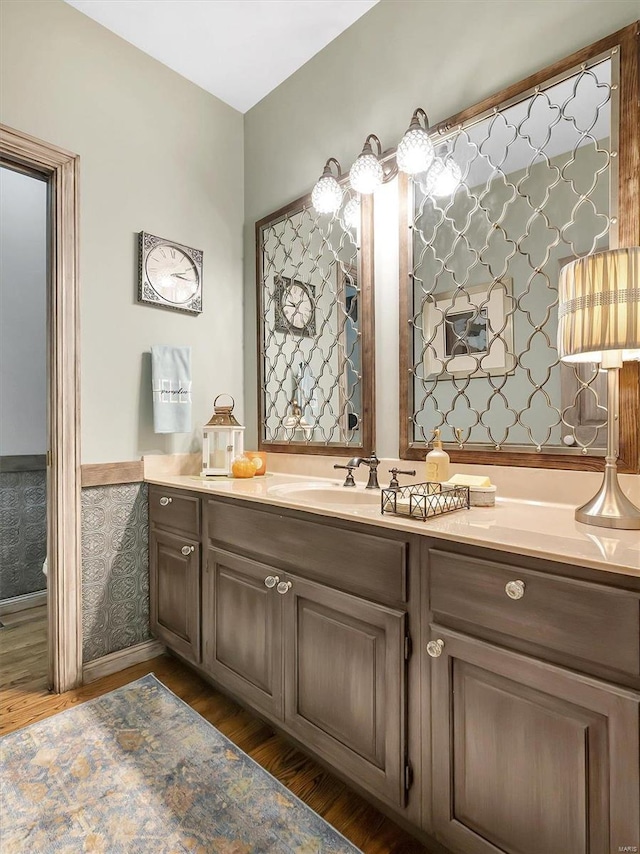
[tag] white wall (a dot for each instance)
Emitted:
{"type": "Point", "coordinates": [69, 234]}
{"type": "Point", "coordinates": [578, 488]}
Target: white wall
{"type": "Point", "coordinates": [23, 302]}
{"type": "Point", "coordinates": [441, 55]}
{"type": "Point", "coordinates": [157, 154]}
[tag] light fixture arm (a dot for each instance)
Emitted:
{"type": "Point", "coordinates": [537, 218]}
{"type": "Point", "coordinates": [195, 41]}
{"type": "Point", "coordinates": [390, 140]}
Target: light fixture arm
{"type": "Point", "coordinates": [415, 123]}
{"type": "Point", "coordinates": [327, 173]}
{"type": "Point", "coordinates": [367, 149]}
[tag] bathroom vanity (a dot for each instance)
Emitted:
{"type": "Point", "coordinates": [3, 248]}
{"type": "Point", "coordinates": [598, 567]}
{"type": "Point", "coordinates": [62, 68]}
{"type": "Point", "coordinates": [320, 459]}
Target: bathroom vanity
{"type": "Point", "coordinates": [486, 699]}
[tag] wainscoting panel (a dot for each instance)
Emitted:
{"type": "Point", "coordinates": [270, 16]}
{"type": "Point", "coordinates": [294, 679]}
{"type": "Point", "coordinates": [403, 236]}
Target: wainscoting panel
{"type": "Point", "coordinates": [23, 532]}
{"type": "Point", "coordinates": [115, 568]}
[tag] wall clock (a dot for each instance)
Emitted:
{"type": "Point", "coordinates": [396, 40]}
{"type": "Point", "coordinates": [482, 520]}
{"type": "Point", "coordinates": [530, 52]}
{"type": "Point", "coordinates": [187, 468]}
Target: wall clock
{"type": "Point", "coordinates": [295, 307]}
{"type": "Point", "coordinates": [170, 274]}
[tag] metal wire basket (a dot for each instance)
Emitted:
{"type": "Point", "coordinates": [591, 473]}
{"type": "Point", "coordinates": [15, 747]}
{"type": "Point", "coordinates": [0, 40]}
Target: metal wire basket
{"type": "Point", "coordinates": [424, 500]}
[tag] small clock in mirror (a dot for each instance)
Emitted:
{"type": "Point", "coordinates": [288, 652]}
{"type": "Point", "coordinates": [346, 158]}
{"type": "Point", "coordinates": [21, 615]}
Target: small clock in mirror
{"type": "Point", "coordinates": [170, 274]}
{"type": "Point", "coordinates": [295, 306]}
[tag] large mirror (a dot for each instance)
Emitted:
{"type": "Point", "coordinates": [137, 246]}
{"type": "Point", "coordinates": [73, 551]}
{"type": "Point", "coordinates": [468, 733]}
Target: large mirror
{"type": "Point", "coordinates": [535, 187]}
{"type": "Point", "coordinates": [315, 328]}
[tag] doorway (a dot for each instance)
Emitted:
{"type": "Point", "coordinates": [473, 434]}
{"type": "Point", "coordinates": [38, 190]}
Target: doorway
{"type": "Point", "coordinates": [24, 224]}
{"type": "Point", "coordinates": [57, 171]}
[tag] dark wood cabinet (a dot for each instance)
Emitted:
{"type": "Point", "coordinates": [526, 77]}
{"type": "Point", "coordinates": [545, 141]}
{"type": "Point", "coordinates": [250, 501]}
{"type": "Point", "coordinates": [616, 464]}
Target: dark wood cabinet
{"type": "Point", "coordinates": [345, 692]}
{"type": "Point", "coordinates": [174, 570]}
{"type": "Point", "coordinates": [242, 629]}
{"type": "Point", "coordinates": [521, 735]}
{"type": "Point", "coordinates": [529, 757]}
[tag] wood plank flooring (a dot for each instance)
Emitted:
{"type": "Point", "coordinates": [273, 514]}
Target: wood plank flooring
{"type": "Point", "coordinates": [24, 699]}
{"type": "Point", "coordinates": [23, 658]}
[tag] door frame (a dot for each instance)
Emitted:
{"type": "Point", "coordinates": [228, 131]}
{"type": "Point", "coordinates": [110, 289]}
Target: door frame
{"type": "Point", "coordinates": [60, 169]}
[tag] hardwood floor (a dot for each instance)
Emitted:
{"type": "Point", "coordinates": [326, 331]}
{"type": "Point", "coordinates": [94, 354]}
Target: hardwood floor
{"type": "Point", "coordinates": [23, 703]}
{"type": "Point", "coordinates": [23, 658]}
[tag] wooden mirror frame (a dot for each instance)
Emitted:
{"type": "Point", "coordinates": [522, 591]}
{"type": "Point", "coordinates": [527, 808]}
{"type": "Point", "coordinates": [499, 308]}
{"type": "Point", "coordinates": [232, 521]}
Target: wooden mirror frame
{"type": "Point", "coordinates": [627, 41]}
{"type": "Point", "coordinates": [367, 330]}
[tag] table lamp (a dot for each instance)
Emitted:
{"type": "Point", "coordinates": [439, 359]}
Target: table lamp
{"type": "Point", "coordinates": [599, 321]}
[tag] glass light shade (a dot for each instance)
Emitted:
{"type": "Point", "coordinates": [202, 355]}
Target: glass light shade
{"type": "Point", "coordinates": [326, 196]}
{"type": "Point", "coordinates": [366, 174]}
{"type": "Point", "coordinates": [351, 213]}
{"type": "Point", "coordinates": [447, 179]}
{"type": "Point", "coordinates": [599, 307]}
{"type": "Point", "coordinates": [427, 180]}
{"type": "Point", "coordinates": [415, 152]}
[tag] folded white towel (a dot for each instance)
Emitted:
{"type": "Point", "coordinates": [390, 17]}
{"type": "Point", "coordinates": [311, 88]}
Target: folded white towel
{"type": "Point", "coordinates": [171, 382]}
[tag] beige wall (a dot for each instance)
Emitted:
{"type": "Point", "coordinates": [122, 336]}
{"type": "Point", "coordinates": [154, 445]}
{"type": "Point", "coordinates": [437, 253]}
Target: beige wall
{"type": "Point", "coordinates": [441, 55]}
{"type": "Point", "coordinates": [158, 154]}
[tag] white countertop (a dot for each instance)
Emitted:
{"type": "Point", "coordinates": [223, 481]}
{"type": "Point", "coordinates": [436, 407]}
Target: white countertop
{"type": "Point", "coordinates": [538, 529]}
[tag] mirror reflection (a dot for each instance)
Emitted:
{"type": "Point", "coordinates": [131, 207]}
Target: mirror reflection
{"type": "Point", "coordinates": [534, 193]}
{"type": "Point", "coordinates": [310, 327]}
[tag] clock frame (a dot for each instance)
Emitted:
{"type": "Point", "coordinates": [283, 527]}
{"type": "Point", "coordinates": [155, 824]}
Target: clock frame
{"type": "Point", "coordinates": [154, 293]}
{"type": "Point", "coordinates": [282, 286]}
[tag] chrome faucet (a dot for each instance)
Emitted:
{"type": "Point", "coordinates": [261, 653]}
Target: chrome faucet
{"type": "Point", "coordinates": [372, 461]}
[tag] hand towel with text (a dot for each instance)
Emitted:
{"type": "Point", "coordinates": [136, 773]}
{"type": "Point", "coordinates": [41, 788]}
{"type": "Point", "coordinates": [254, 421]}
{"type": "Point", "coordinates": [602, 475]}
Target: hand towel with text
{"type": "Point", "coordinates": [171, 382]}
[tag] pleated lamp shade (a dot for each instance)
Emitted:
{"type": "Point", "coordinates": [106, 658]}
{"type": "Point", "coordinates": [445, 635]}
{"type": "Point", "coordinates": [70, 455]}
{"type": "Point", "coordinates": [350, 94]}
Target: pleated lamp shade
{"type": "Point", "coordinates": [599, 307]}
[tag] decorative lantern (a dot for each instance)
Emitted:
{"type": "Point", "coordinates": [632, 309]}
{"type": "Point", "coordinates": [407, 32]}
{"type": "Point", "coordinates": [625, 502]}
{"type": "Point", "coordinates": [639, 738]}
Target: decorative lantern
{"type": "Point", "coordinates": [222, 440]}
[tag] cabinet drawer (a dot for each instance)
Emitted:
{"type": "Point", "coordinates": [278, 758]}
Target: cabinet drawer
{"type": "Point", "coordinates": [371, 566]}
{"type": "Point", "coordinates": [169, 508]}
{"type": "Point", "coordinates": [591, 622]}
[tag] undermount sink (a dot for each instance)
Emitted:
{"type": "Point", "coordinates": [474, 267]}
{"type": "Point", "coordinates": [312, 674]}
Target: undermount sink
{"type": "Point", "coordinates": [323, 493]}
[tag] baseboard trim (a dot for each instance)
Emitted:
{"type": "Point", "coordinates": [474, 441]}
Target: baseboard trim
{"type": "Point", "coordinates": [120, 660]}
{"type": "Point", "coordinates": [21, 603]}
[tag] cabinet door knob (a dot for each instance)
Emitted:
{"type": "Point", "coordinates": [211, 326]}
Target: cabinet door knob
{"type": "Point", "coordinates": [164, 501]}
{"type": "Point", "coordinates": [514, 589]}
{"type": "Point", "coordinates": [283, 587]}
{"type": "Point", "coordinates": [186, 550]}
{"type": "Point", "coordinates": [271, 581]}
{"type": "Point", "coordinates": [434, 648]}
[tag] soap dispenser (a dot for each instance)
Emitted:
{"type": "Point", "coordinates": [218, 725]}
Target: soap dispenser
{"type": "Point", "coordinates": [437, 461]}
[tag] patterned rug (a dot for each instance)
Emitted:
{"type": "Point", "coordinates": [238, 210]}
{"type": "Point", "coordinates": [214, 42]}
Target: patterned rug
{"type": "Point", "coordinates": [137, 771]}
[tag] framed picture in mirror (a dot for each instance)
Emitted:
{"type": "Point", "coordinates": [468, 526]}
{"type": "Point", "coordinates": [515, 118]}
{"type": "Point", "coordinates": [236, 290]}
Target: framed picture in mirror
{"type": "Point", "coordinates": [469, 331]}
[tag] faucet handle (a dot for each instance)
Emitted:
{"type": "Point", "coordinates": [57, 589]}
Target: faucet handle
{"type": "Point", "coordinates": [349, 480]}
{"type": "Point", "coordinates": [394, 472]}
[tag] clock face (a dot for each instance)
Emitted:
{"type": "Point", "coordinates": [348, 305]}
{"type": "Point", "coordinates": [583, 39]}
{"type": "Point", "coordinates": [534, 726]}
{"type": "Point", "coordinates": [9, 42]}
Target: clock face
{"type": "Point", "coordinates": [297, 306]}
{"type": "Point", "coordinates": [171, 273]}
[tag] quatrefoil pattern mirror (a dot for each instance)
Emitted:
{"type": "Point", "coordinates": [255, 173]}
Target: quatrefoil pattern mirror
{"type": "Point", "coordinates": [480, 265]}
{"type": "Point", "coordinates": [315, 319]}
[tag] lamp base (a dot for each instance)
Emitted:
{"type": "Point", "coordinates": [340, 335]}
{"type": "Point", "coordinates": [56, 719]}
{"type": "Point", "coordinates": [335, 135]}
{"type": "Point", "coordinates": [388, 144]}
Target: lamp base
{"type": "Point", "coordinates": [610, 507]}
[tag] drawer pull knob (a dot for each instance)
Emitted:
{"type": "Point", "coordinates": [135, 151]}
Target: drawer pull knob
{"type": "Point", "coordinates": [164, 501]}
{"type": "Point", "coordinates": [271, 581]}
{"type": "Point", "coordinates": [434, 648]}
{"type": "Point", "coordinates": [186, 550]}
{"type": "Point", "coordinates": [514, 589]}
{"type": "Point", "coordinates": [283, 587]}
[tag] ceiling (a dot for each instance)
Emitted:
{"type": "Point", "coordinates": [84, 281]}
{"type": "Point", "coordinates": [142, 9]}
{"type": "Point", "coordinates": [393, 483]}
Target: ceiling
{"type": "Point", "coordinates": [239, 50]}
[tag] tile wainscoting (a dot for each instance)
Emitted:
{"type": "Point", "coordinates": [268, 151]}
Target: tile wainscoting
{"type": "Point", "coordinates": [23, 532]}
{"type": "Point", "coordinates": [115, 568]}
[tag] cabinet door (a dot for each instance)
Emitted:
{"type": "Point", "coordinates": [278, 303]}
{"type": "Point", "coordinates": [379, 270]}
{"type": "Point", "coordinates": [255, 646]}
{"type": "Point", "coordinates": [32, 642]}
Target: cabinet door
{"type": "Point", "coordinates": [242, 629]}
{"type": "Point", "coordinates": [345, 683]}
{"type": "Point", "coordinates": [174, 563]}
{"type": "Point", "coordinates": [528, 757]}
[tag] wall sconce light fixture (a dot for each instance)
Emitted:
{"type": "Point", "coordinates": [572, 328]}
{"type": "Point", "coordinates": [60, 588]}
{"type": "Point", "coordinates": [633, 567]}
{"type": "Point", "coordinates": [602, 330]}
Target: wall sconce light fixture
{"type": "Point", "coordinates": [415, 152]}
{"type": "Point", "coordinates": [367, 173]}
{"type": "Point", "coordinates": [436, 172]}
{"type": "Point", "coordinates": [448, 176]}
{"type": "Point", "coordinates": [351, 213]}
{"type": "Point", "coordinates": [599, 321]}
{"type": "Point", "coordinates": [326, 196]}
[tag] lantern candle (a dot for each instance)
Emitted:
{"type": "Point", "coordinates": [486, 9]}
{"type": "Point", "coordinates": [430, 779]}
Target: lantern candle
{"type": "Point", "coordinates": [222, 440]}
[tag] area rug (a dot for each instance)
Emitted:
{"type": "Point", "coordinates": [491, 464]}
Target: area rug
{"type": "Point", "coordinates": [137, 771]}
